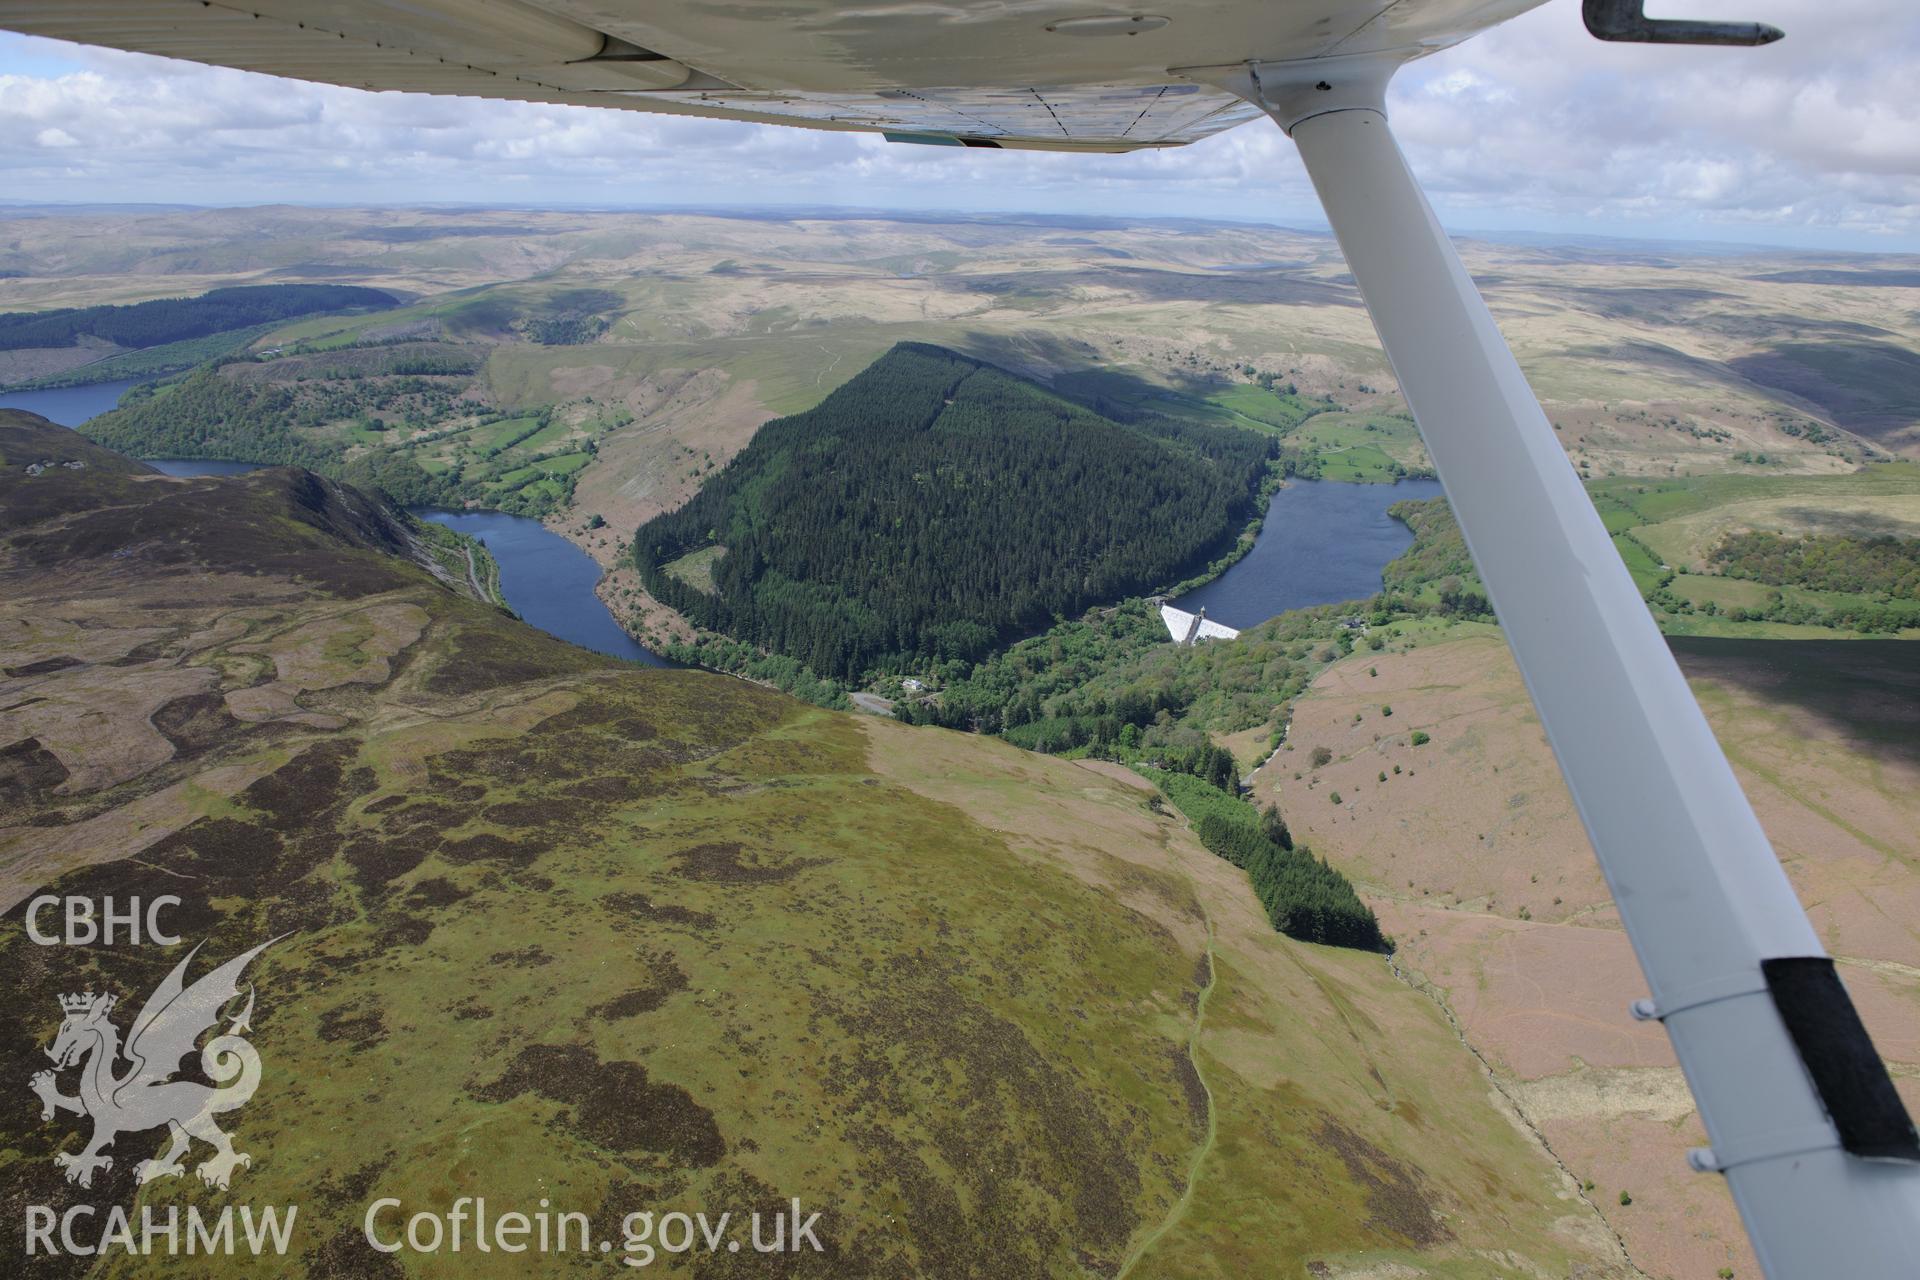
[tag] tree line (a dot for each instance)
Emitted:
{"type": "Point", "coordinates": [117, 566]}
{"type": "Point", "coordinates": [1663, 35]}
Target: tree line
{"type": "Point", "coordinates": [164, 320]}
{"type": "Point", "coordinates": [1304, 897]}
{"type": "Point", "coordinates": [1110, 683]}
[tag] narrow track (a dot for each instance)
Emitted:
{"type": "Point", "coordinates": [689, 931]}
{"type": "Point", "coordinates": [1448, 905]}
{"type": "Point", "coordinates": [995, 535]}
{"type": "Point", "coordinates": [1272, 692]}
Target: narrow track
{"type": "Point", "coordinates": [473, 577]}
{"type": "Point", "coordinates": [1179, 1209]}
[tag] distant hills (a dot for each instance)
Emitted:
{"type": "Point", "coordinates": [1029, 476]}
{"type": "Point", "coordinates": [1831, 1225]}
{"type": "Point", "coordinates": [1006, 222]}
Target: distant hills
{"type": "Point", "coordinates": [934, 506]}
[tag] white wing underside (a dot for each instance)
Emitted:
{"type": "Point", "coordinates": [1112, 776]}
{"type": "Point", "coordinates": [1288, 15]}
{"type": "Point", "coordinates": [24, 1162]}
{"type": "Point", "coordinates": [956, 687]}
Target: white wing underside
{"type": "Point", "coordinates": [965, 72]}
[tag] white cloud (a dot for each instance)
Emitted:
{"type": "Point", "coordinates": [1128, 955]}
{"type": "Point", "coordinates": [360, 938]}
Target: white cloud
{"type": "Point", "coordinates": [1535, 124]}
{"type": "Point", "coordinates": [1818, 132]}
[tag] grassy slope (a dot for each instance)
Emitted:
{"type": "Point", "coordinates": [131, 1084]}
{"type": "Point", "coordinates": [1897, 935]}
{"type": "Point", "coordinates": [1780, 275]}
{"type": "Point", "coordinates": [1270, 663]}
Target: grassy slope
{"type": "Point", "coordinates": [1470, 846]}
{"type": "Point", "coordinates": [1350, 1129]}
{"type": "Point", "coordinates": [153, 362]}
{"type": "Point", "coordinates": [627, 938]}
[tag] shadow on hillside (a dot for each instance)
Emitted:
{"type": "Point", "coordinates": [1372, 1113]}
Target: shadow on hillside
{"type": "Point", "coordinates": [1073, 369]}
{"type": "Point", "coordinates": [1657, 356]}
{"type": "Point", "coordinates": [1867, 691]}
{"type": "Point", "coordinates": [1671, 305]}
{"type": "Point", "coordinates": [1260, 287]}
{"type": "Point", "coordinates": [1850, 524]}
{"type": "Point", "coordinates": [1869, 387]}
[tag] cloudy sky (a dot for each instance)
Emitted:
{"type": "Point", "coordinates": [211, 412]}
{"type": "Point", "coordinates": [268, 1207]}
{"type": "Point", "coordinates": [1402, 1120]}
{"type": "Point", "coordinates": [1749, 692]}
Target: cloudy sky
{"type": "Point", "coordinates": [1814, 141]}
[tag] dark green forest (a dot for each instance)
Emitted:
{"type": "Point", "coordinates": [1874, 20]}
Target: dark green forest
{"type": "Point", "coordinates": [164, 320]}
{"type": "Point", "coordinates": [205, 415]}
{"type": "Point", "coordinates": [1883, 565]}
{"type": "Point", "coordinates": [934, 507]}
{"type": "Point", "coordinates": [1304, 897]}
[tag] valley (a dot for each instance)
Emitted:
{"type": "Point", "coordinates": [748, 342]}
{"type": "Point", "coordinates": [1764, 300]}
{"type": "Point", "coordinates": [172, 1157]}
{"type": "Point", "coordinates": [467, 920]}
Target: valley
{"type": "Point", "coordinates": [591, 922]}
{"type": "Point", "coordinates": [1279, 954]}
{"type": "Point", "coordinates": [666, 340]}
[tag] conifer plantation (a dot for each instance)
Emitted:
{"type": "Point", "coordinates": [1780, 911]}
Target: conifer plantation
{"type": "Point", "coordinates": [163, 320]}
{"type": "Point", "coordinates": [936, 507]}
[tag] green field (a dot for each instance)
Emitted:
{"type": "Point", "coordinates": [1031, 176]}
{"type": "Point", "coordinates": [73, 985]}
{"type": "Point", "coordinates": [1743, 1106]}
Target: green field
{"type": "Point", "coordinates": [1665, 529]}
{"type": "Point", "coordinates": [1363, 464]}
{"type": "Point", "coordinates": [564, 465]}
{"type": "Point", "coordinates": [496, 435]}
{"type": "Point", "coordinates": [1648, 573]}
{"type": "Point", "coordinates": [1270, 408]}
{"type": "Point", "coordinates": [696, 567]}
{"type": "Point", "coordinates": [1333, 443]}
{"type": "Point", "coordinates": [1723, 593]}
{"type": "Point", "coordinates": [552, 433]}
{"type": "Point", "coordinates": [1362, 448]}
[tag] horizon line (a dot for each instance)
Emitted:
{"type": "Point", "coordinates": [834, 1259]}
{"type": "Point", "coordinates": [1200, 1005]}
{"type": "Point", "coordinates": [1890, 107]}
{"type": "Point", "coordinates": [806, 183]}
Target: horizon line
{"type": "Point", "coordinates": [1097, 221]}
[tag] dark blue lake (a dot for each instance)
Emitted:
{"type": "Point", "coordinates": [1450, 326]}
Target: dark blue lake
{"type": "Point", "coordinates": [200, 466]}
{"type": "Point", "coordinates": [68, 406]}
{"type": "Point", "coordinates": [1323, 542]}
{"type": "Point", "coordinates": [548, 581]}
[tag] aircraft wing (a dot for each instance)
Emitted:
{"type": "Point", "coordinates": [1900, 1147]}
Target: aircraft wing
{"type": "Point", "coordinates": [1058, 75]}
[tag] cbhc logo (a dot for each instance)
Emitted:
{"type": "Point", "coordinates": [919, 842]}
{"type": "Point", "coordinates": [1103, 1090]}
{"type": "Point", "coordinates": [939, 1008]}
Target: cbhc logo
{"type": "Point", "coordinates": [84, 926]}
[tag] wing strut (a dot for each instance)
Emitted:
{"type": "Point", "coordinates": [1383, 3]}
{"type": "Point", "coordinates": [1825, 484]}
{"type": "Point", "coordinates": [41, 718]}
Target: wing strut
{"type": "Point", "coordinates": [1705, 902]}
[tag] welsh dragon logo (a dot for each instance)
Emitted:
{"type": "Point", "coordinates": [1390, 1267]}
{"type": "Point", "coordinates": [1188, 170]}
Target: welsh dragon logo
{"type": "Point", "coordinates": [144, 1095]}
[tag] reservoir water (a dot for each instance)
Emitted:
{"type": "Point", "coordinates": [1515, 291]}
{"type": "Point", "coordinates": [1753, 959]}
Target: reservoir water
{"type": "Point", "coordinates": [1323, 542]}
{"type": "Point", "coordinates": [68, 406]}
{"type": "Point", "coordinates": [200, 466]}
{"type": "Point", "coordinates": [548, 581]}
